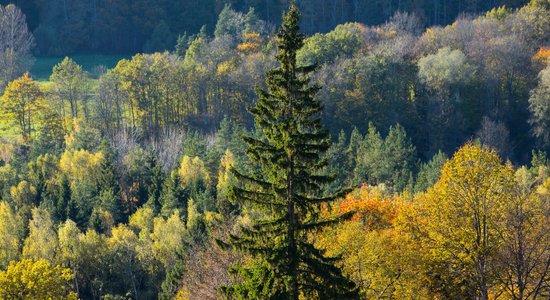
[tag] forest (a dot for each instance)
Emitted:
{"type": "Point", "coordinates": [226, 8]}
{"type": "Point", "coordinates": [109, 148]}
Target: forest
{"type": "Point", "coordinates": [276, 150]}
{"type": "Point", "coordinates": [64, 27]}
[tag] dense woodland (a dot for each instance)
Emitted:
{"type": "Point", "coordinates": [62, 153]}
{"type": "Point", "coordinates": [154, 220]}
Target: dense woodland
{"type": "Point", "coordinates": [260, 157]}
{"type": "Point", "coordinates": [63, 27]}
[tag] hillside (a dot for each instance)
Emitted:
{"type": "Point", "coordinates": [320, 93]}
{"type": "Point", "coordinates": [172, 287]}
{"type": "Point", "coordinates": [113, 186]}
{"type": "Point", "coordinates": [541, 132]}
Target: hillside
{"type": "Point", "coordinates": [399, 158]}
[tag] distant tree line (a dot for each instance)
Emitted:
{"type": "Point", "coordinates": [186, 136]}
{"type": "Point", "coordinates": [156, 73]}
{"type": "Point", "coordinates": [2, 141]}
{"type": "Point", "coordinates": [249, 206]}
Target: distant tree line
{"type": "Point", "coordinates": [128, 26]}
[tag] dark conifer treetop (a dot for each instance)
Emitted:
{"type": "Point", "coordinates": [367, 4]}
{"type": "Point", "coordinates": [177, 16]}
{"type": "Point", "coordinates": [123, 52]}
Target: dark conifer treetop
{"type": "Point", "coordinates": [288, 192]}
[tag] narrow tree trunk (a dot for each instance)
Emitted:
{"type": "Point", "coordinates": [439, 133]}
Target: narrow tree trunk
{"type": "Point", "coordinates": [292, 253]}
{"type": "Point", "coordinates": [75, 280]}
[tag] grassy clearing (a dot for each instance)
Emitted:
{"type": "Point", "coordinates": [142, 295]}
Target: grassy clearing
{"type": "Point", "coordinates": [41, 72]}
{"type": "Point", "coordinates": [43, 65]}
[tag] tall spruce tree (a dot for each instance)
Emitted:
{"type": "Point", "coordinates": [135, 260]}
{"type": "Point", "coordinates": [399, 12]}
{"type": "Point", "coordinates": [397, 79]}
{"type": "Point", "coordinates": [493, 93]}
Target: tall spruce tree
{"type": "Point", "coordinates": [288, 192]}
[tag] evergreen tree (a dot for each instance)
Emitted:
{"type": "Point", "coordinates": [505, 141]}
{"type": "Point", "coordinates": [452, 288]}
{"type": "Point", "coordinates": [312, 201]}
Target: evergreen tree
{"type": "Point", "coordinates": [64, 199]}
{"type": "Point", "coordinates": [73, 212]}
{"type": "Point", "coordinates": [108, 184]}
{"type": "Point", "coordinates": [173, 197]}
{"type": "Point", "coordinates": [96, 221]}
{"type": "Point", "coordinates": [389, 161]}
{"type": "Point", "coordinates": [156, 180]}
{"type": "Point", "coordinates": [203, 33]}
{"type": "Point", "coordinates": [287, 193]}
{"type": "Point", "coordinates": [539, 159]}
{"type": "Point", "coordinates": [370, 161]}
{"type": "Point", "coordinates": [222, 141]}
{"type": "Point", "coordinates": [182, 45]}
{"type": "Point", "coordinates": [338, 160]}
{"type": "Point", "coordinates": [169, 286]}
{"type": "Point", "coordinates": [429, 172]}
{"type": "Point", "coordinates": [194, 144]}
{"type": "Point", "coordinates": [399, 147]}
{"type": "Point", "coordinates": [224, 137]}
{"type": "Point", "coordinates": [355, 141]}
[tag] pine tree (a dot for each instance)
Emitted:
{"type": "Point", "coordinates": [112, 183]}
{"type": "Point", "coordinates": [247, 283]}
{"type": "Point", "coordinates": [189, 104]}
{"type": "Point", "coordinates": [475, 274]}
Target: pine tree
{"type": "Point", "coordinates": [203, 33]}
{"type": "Point", "coordinates": [402, 153]}
{"type": "Point", "coordinates": [288, 191]}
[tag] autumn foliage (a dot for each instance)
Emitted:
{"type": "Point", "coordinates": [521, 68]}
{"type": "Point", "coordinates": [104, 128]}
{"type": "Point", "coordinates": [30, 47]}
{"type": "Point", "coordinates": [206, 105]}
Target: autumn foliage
{"type": "Point", "coordinates": [251, 43]}
{"type": "Point", "coordinates": [457, 240]}
{"type": "Point", "coordinates": [371, 205]}
{"type": "Point", "coordinates": [38, 280]}
{"type": "Point", "coordinates": [542, 55]}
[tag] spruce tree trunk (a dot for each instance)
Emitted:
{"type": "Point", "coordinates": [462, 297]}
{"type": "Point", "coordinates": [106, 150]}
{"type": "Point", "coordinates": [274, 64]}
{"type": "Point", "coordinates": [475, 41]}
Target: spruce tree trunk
{"type": "Point", "coordinates": [292, 257]}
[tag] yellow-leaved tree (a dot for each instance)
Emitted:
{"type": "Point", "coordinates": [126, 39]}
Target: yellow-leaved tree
{"type": "Point", "coordinates": [458, 220]}
{"type": "Point", "coordinates": [42, 242]}
{"type": "Point", "coordinates": [168, 238]}
{"type": "Point", "coordinates": [80, 165]}
{"type": "Point", "coordinates": [193, 172]}
{"type": "Point", "coordinates": [122, 247]}
{"type": "Point", "coordinates": [69, 245]}
{"type": "Point", "coordinates": [37, 280]}
{"type": "Point", "coordinates": [225, 178]}
{"type": "Point", "coordinates": [142, 222]}
{"type": "Point", "coordinates": [523, 264]}
{"type": "Point", "coordinates": [23, 196]}
{"type": "Point", "coordinates": [20, 102]}
{"type": "Point", "coordinates": [196, 180]}
{"type": "Point", "coordinates": [10, 233]}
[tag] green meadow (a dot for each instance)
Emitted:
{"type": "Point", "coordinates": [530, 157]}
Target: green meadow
{"type": "Point", "coordinates": [42, 68]}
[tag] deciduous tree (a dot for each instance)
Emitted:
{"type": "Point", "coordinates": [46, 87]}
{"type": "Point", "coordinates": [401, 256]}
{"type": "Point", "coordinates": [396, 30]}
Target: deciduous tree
{"type": "Point", "coordinates": [539, 105]}
{"type": "Point", "coordinates": [462, 221]}
{"type": "Point", "coordinates": [69, 85]}
{"type": "Point", "coordinates": [20, 103]}
{"type": "Point", "coordinates": [10, 234]}
{"type": "Point", "coordinates": [39, 280]}
{"type": "Point", "coordinates": [42, 242]}
{"type": "Point", "coordinates": [16, 43]}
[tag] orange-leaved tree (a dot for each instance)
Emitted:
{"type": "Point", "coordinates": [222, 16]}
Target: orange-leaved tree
{"type": "Point", "coordinates": [377, 253]}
